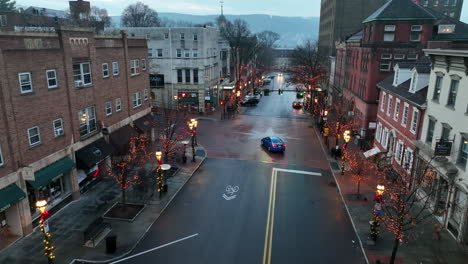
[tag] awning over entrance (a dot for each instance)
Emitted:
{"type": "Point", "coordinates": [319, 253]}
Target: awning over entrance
{"type": "Point", "coordinates": [51, 172]}
{"type": "Point", "coordinates": [121, 138]}
{"type": "Point", "coordinates": [371, 152]}
{"type": "Point", "coordinates": [10, 195]}
{"type": "Point", "coordinates": [145, 123]}
{"type": "Point", "coordinates": [93, 153]}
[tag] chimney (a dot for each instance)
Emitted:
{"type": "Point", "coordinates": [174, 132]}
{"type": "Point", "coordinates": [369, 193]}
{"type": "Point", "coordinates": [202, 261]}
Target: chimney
{"type": "Point", "coordinates": [80, 9]}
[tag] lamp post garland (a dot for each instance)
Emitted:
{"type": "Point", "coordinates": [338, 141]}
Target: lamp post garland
{"type": "Point", "coordinates": [159, 176]}
{"type": "Point", "coordinates": [192, 126]}
{"type": "Point", "coordinates": [44, 227]}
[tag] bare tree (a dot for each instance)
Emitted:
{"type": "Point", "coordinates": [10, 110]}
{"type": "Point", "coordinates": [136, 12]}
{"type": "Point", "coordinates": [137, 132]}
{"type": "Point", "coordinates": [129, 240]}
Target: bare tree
{"type": "Point", "coordinates": [140, 15]}
{"type": "Point", "coordinates": [306, 64]}
{"type": "Point", "coordinates": [100, 17]}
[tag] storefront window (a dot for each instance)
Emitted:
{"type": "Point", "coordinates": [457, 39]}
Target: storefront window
{"type": "Point", "coordinates": [459, 201]}
{"type": "Point", "coordinates": [54, 193]}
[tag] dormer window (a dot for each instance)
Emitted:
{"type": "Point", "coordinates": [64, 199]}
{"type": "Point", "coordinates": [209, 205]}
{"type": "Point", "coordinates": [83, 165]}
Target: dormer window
{"type": "Point", "coordinates": [412, 56]}
{"type": "Point", "coordinates": [446, 29]}
{"type": "Point", "coordinates": [414, 79]}
{"type": "Point", "coordinates": [389, 33]}
{"type": "Point", "coordinates": [386, 56]}
{"type": "Point", "coordinates": [395, 78]}
{"type": "Point", "coordinates": [415, 34]}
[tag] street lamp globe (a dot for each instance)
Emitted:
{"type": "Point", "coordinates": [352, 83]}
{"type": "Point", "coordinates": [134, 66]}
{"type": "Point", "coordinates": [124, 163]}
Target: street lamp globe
{"type": "Point", "coordinates": [380, 189]}
{"type": "Point", "coordinates": [158, 155]}
{"type": "Point", "coordinates": [41, 205]}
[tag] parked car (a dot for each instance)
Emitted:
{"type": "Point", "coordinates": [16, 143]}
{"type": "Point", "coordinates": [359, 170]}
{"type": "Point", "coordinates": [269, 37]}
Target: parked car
{"type": "Point", "coordinates": [273, 144]}
{"type": "Point", "coordinates": [266, 92]}
{"type": "Point", "coordinates": [297, 104]}
{"type": "Point", "coordinates": [249, 100]}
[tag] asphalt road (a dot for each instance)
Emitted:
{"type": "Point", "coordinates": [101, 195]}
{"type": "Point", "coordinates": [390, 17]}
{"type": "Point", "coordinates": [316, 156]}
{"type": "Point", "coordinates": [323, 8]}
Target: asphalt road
{"type": "Point", "coordinates": [245, 205]}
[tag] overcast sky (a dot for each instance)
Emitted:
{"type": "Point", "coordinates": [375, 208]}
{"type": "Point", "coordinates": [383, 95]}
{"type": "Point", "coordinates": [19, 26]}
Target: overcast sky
{"type": "Point", "coordinates": [304, 8]}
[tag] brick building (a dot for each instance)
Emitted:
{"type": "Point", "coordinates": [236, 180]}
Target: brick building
{"type": "Point", "coordinates": [396, 32]}
{"type": "Point", "coordinates": [451, 8]}
{"type": "Point", "coordinates": [400, 112]}
{"type": "Point", "coordinates": [341, 18]}
{"type": "Point", "coordinates": [61, 94]}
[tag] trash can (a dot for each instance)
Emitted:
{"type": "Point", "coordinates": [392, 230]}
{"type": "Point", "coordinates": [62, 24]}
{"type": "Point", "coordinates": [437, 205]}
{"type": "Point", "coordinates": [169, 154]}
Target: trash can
{"type": "Point", "coordinates": [111, 244]}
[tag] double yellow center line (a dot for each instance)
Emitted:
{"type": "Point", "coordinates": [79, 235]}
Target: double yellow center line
{"type": "Point", "coordinates": [270, 219]}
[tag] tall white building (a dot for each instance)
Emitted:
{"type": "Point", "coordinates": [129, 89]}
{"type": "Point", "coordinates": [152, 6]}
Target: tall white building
{"type": "Point", "coordinates": [185, 65]}
{"type": "Point", "coordinates": [446, 124]}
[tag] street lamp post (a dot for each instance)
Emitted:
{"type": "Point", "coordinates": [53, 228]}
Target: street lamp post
{"type": "Point", "coordinates": [375, 222]}
{"type": "Point", "coordinates": [195, 124]}
{"type": "Point", "coordinates": [164, 168]}
{"type": "Point", "coordinates": [159, 180]}
{"type": "Point", "coordinates": [192, 128]}
{"type": "Point", "coordinates": [44, 226]}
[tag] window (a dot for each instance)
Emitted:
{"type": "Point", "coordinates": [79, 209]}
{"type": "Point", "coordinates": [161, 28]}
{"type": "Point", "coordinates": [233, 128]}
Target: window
{"type": "Point", "coordinates": [463, 153]}
{"type": "Point", "coordinates": [115, 68]}
{"type": "Point", "coordinates": [404, 118]}
{"type": "Point", "coordinates": [3, 20]}
{"type": "Point", "coordinates": [414, 121]}
{"type": "Point", "coordinates": [82, 74]}
{"type": "Point", "coordinates": [160, 54]}
{"type": "Point", "coordinates": [384, 141]}
{"type": "Point", "coordinates": [51, 79]}
{"type": "Point", "coordinates": [58, 127]}
{"type": "Point", "coordinates": [105, 70]}
{"type": "Point", "coordinates": [118, 105]}
{"type": "Point", "coordinates": [430, 131]}
{"type": "Point", "coordinates": [182, 35]}
{"type": "Point", "coordinates": [147, 36]}
{"type": "Point", "coordinates": [143, 64]}
{"type": "Point", "coordinates": [454, 3]}
{"type": "Point", "coordinates": [452, 14]}
{"type": "Point", "coordinates": [396, 113]}
{"type": "Point", "coordinates": [382, 103]}
{"type": "Point", "coordinates": [195, 53]}
{"type": "Point", "coordinates": [446, 3]}
{"type": "Point", "coordinates": [166, 35]}
{"type": "Point", "coordinates": [408, 159]}
{"type": "Point", "coordinates": [437, 87]}
{"type": "Point", "coordinates": [195, 75]}
{"type": "Point", "coordinates": [414, 80]}
{"type": "Point", "coordinates": [134, 67]}
{"type": "Point", "coordinates": [385, 66]}
{"type": "Point", "coordinates": [412, 56]}
{"type": "Point", "coordinates": [399, 151]}
{"type": "Point", "coordinates": [389, 33]}
{"type": "Point", "coordinates": [88, 122]}
{"type": "Point", "coordinates": [386, 56]}
{"type": "Point", "coordinates": [187, 53]}
{"type": "Point", "coordinates": [179, 53]}
{"type": "Point", "coordinates": [25, 82]}
{"type": "Point", "coordinates": [378, 133]}
{"type": "Point", "coordinates": [179, 75]}
{"type": "Point", "coordinates": [415, 34]}
{"type": "Point", "coordinates": [136, 99]}
{"type": "Point", "coordinates": [150, 52]}
{"type": "Point", "coordinates": [195, 37]}
{"type": "Point", "coordinates": [389, 104]}
{"type": "Point", "coordinates": [2, 162]}
{"type": "Point", "coordinates": [187, 76]}
{"type": "Point", "coordinates": [436, 3]}
{"type": "Point", "coordinates": [446, 29]}
{"type": "Point", "coordinates": [452, 97]}
{"type": "Point", "coordinates": [445, 135]}
{"type": "Point", "coordinates": [399, 56]}
{"type": "Point", "coordinates": [34, 136]}
{"type": "Point", "coordinates": [108, 108]}
{"type": "Point", "coordinates": [145, 94]}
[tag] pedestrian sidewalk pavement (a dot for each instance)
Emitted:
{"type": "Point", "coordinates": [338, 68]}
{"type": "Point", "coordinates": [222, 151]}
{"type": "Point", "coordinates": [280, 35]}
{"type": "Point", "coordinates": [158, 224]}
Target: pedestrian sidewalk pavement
{"type": "Point", "coordinates": [421, 249]}
{"type": "Point", "coordinates": [68, 224]}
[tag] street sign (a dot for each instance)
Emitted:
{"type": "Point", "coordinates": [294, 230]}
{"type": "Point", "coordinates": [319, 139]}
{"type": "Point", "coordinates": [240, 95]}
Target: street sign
{"type": "Point", "coordinates": [443, 148]}
{"type": "Point", "coordinates": [46, 226]}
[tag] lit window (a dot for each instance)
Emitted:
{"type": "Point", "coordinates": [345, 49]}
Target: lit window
{"type": "Point", "coordinates": [88, 122]}
{"type": "Point", "coordinates": [105, 70]}
{"type": "Point", "coordinates": [108, 108]}
{"type": "Point", "coordinates": [25, 82]}
{"type": "Point", "coordinates": [34, 136]}
{"type": "Point", "coordinates": [446, 29]}
{"type": "Point", "coordinates": [58, 127]}
{"type": "Point", "coordinates": [51, 79]}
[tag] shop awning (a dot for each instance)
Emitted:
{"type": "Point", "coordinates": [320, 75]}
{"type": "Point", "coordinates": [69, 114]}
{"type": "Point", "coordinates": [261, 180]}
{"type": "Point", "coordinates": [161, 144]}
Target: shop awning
{"type": "Point", "coordinates": [145, 123]}
{"type": "Point", "coordinates": [371, 152]}
{"type": "Point", "coordinates": [51, 172]}
{"type": "Point", "coordinates": [120, 139]}
{"type": "Point", "coordinates": [10, 195]}
{"type": "Point", "coordinates": [93, 153]}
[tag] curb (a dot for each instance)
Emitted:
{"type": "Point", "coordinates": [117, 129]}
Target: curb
{"type": "Point", "coordinates": [342, 199]}
{"type": "Point", "coordinates": [76, 261]}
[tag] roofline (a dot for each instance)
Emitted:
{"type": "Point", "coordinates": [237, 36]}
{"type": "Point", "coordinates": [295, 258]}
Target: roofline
{"type": "Point", "coordinates": [404, 98]}
{"type": "Point", "coordinates": [447, 52]}
{"type": "Point", "coordinates": [398, 19]}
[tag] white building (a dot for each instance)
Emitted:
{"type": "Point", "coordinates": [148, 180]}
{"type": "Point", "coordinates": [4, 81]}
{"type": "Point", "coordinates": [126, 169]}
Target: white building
{"type": "Point", "coordinates": [185, 65]}
{"type": "Point", "coordinates": [446, 121]}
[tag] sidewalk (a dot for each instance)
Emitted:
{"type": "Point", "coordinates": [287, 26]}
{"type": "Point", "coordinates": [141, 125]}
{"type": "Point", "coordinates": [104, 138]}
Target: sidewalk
{"type": "Point", "coordinates": [421, 249]}
{"type": "Point", "coordinates": [68, 224]}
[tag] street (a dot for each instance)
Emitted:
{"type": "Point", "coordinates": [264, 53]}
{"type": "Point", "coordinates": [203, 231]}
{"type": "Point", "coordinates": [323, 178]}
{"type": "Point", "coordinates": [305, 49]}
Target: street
{"type": "Point", "coordinates": [246, 205]}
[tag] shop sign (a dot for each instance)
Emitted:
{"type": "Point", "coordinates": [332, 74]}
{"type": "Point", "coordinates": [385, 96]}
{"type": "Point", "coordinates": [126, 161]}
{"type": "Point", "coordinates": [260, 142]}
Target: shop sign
{"type": "Point", "coordinates": [443, 148]}
{"type": "Point", "coordinates": [46, 226]}
{"type": "Point", "coordinates": [372, 125]}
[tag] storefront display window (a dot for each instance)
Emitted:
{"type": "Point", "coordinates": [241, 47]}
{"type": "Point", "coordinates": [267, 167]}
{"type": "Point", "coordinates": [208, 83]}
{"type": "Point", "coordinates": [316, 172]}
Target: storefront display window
{"type": "Point", "coordinates": [54, 193]}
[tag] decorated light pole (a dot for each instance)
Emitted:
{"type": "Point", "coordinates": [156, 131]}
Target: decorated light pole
{"type": "Point", "coordinates": [44, 226]}
{"type": "Point", "coordinates": [159, 177]}
{"type": "Point", "coordinates": [375, 222]}
{"type": "Point", "coordinates": [192, 128]}
{"type": "Point", "coordinates": [195, 124]}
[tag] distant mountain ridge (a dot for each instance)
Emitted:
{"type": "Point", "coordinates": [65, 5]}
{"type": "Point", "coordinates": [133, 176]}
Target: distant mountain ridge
{"type": "Point", "coordinates": [293, 30]}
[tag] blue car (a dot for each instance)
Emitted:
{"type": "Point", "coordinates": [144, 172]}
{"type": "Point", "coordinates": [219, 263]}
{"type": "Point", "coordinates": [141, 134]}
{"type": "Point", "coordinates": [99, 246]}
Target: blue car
{"type": "Point", "coordinates": [273, 144]}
